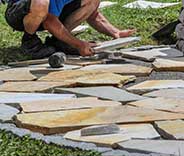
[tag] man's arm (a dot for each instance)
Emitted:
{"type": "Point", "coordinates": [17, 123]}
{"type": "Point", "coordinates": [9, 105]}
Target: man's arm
{"type": "Point", "coordinates": [101, 24]}
{"type": "Point", "coordinates": [55, 27]}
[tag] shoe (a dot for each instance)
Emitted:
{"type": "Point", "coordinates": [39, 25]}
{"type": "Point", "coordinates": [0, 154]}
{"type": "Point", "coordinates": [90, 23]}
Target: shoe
{"type": "Point", "coordinates": [61, 46]}
{"type": "Point", "coordinates": [33, 46]}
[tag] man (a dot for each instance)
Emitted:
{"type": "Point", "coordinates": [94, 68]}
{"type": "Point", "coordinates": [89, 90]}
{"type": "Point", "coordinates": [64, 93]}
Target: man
{"type": "Point", "coordinates": [59, 17]}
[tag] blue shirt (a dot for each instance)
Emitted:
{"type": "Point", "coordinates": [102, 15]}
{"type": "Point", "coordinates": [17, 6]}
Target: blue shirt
{"type": "Point", "coordinates": [56, 6]}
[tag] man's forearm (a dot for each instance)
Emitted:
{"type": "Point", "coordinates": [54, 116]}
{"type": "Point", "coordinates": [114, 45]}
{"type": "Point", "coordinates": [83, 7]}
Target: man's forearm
{"type": "Point", "coordinates": [101, 24]}
{"type": "Point", "coordinates": [55, 27]}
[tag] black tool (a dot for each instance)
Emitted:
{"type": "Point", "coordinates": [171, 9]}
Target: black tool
{"type": "Point", "coordinates": [57, 60]}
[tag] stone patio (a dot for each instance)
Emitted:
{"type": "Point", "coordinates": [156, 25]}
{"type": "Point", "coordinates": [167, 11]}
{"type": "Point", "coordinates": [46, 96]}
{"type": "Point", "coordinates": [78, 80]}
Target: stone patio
{"type": "Point", "coordinates": [54, 105]}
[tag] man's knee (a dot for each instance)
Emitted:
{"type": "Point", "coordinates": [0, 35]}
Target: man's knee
{"type": "Point", "coordinates": [40, 8]}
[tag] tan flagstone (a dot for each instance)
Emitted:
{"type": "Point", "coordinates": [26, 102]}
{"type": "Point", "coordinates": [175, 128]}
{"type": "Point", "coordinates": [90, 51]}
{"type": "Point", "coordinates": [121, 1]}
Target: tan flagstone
{"type": "Point", "coordinates": [64, 121]}
{"type": "Point", "coordinates": [151, 85]}
{"type": "Point", "coordinates": [171, 129]}
{"type": "Point", "coordinates": [32, 86]}
{"type": "Point", "coordinates": [146, 55]}
{"type": "Point", "coordinates": [127, 132]}
{"type": "Point", "coordinates": [66, 104]}
{"type": "Point", "coordinates": [164, 104]}
{"type": "Point", "coordinates": [167, 93]}
{"type": "Point", "coordinates": [104, 4]}
{"type": "Point", "coordinates": [124, 69]}
{"type": "Point", "coordinates": [16, 74]}
{"type": "Point", "coordinates": [80, 62]}
{"type": "Point", "coordinates": [88, 78]}
{"type": "Point", "coordinates": [168, 65]}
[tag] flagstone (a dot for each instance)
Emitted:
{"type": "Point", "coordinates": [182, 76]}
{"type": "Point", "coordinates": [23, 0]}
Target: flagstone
{"type": "Point", "coordinates": [167, 93]}
{"type": "Point", "coordinates": [175, 148]}
{"type": "Point", "coordinates": [82, 62]}
{"type": "Point", "coordinates": [146, 55]}
{"type": "Point", "coordinates": [80, 29]}
{"type": "Point", "coordinates": [168, 65]}
{"type": "Point", "coordinates": [88, 78]}
{"type": "Point", "coordinates": [7, 98]}
{"type": "Point", "coordinates": [151, 85]}
{"type": "Point", "coordinates": [16, 74]}
{"type": "Point", "coordinates": [115, 44]}
{"type": "Point", "coordinates": [67, 104]}
{"type": "Point", "coordinates": [127, 132]}
{"type": "Point", "coordinates": [148, 4]}
{"type": "Point", "coordinates": [64, 121]}
{"type": "Point", "coordinates": [110, 93]}
{"type": "Point", "coordinates": [171, 129]}
{"type": "Point", "coordinates": [7, 112]}
{"type": "Point", "coordinates": [124, 69]}
{"type": "Point", "coordinates": [160, 103]}
{"type": "Point", "coordinates": [32, 86]}
{"type": "Point", "coordinates": [106, 4]}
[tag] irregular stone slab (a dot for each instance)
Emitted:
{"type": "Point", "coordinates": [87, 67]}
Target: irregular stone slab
{"type": "Point", "coordinates": [167, 93]}
{"type": "Point", "coordinates": [100, 130]}
{"type": "Point", "coordinates": [146, 55]}
{"type": "Point", "coordinates": [171, 129]}
{"type": "Point", "coordinates": [110, 93]}
{"type": "Point", "coordinates": [131, 131]}
{"type": "Point", "coordinates": [175, 148]}
{"type": "Point", "coordinates": [80, 29]}
{"type": "Point", "coordinates": [81, 62]}
{"type": "Point", "coordinates": [45, 68]}
{"type": "Point", "coordinates": [64, 121]}
{"type": "Point", "coordinates": [148, 4]}
{"type": "Point", "coordinates": [168, 65]}
{"type": "Point", "coordinates": [88, 78]}
{"type": "Point", "coordinates": [164, 104]}
{"type": "Point", "coordinates": [115, 44]}
{"type": "Point", "coordinates": [32, 86]}
{"type": "Point", "coordinates": [67, 104]}
{"type": "Point", "coordinates": [16, 74]}
{"type": "Point", "coordinates": [106, 4]}
{"type": "Point", "coordinates": [7, 112]}
{"type": "Point", "coordinates": [151, 85]}
{"type": "Point", "coordinates": [124, 69]}
{"type": "Point", "coordinates": [7, 98]}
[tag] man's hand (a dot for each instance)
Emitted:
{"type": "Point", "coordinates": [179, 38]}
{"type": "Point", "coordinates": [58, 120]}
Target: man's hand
{"type": "Point", "coordinates": [124, 33]}
{"type": "Point", "coordinates": [86, 49]}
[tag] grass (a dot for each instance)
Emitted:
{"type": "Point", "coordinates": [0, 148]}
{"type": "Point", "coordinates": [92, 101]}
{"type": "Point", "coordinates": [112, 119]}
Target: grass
{"type": "Point", "coordinates": [145, 21]}
{"type": "Point", "coordinates": [10, 145]}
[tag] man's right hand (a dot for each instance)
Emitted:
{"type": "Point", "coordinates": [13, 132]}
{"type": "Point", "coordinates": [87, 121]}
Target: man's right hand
{"type": "Point", "coordinates": [86, 49]}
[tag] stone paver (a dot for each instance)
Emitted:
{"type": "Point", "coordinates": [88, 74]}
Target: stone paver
{"type": "Point", "coordinates": [164, 104]}
{"type": "Point", "coordinates": [175, 148]}
{"type": "Point", "coordinates": [171, 129]}
{"type": "Point", "coordinates": [67, 104]}
{"type": "Point", "coordinates": [140, 131]}
{"type": "Point", "coordinates": [167, 93]}
{"type": "Point", "coordinates": [16, 74]}
{"type": "Point", "coordinates": [27, 97]}
{"type": "Point", "coordinates": [151, 85]}
{"type": "Point", "coordinates": [114, 44]}
{"type": "Point", "coordinates": [80, 29]}
{"type": "Point", "coordinates": [124, 69]}
{"type": "Point", "coordinates": [88, 78]}
{"type": "Point", "coordinates": [168, 65]}
{"type": "Point", "coordinates": [147, 55]}
{"type": "Point", "coordinates": [110, 93]}
{"type": "Point", "coordinates": [104, 4]}
{"type": "Point", "coordinates": [32, 86]}
{"type": "Point", "coordinates": [64, 121]}
{"type": "Point", "coordinates": [7, 112]}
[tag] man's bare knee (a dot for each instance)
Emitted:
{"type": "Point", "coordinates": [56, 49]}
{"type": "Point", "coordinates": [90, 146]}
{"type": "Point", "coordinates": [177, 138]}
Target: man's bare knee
{"type": "Point", "coordinates": [40, 8]}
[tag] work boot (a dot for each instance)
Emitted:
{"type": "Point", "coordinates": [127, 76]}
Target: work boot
{"type": "Point", "coordinates": [33, 46]}
{"type": "Point", "coordinates": [61, 46]}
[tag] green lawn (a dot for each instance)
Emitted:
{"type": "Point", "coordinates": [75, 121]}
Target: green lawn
{"type": "Point", "coordinates": [10, 145]}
